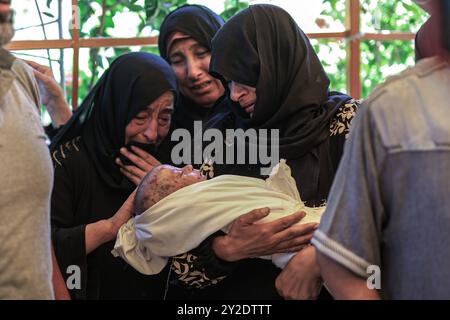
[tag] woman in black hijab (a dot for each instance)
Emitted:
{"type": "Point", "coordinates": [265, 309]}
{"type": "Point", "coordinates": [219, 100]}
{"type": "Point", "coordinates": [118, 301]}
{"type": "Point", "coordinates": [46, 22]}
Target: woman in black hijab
{"type": "Point", "coordinates": [132, 102]}
{"type": "Point", "coordinates": [185, 43]}
{"type": "Point", "coordinates": [276, 77]}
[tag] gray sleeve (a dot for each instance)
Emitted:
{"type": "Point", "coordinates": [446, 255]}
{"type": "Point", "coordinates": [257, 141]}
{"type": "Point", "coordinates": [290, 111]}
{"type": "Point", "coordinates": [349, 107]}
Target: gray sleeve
{"type": "Point", "coordinates": [350, 229]}
{"type": "Point", "coordinates": [27, 80]}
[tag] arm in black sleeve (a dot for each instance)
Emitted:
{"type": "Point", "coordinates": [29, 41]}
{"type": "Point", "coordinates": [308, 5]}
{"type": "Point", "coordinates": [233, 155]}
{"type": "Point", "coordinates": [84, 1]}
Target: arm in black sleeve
{"type": "Point", "coordinates": [68, 234]}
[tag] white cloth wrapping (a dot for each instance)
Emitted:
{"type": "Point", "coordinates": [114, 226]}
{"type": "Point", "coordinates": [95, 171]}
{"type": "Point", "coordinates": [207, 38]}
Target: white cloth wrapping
{"type": "Point", "coordinates": [182, 220]}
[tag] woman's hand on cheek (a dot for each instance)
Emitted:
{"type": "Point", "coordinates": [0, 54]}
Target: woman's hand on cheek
{"type": "Point", "coordinates": [143, 163]}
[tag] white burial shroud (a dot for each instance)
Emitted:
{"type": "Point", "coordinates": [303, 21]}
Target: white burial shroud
{"type": "Point", "coordinates": [182, 220]}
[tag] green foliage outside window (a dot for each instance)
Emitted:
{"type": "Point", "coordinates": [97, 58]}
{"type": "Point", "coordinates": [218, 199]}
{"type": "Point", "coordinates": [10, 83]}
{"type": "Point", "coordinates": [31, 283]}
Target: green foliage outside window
{"type": "Point", "coordinates": [151, 13]}
{"type": "Point", "coordinates": [378, 59]}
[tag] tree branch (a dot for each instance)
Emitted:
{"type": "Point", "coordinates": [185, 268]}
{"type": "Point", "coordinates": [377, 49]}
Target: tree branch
{"type": "Point", "coordinates": [37, 25]}
{"type": "Point", "coordinates": [34, 56]}
{"type": "Point", "coordinates": [61, 51]}
{"type": "Point", "coordinates": [94, 52]}
{"type": "Point", "coordinates": [43, 30]}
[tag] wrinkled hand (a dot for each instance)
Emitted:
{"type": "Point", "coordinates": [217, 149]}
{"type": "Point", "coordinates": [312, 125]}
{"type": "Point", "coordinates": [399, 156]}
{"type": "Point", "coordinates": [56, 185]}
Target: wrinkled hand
{"type": "Point", "coordinates": [249, 239]}
{"type": "Point", "coordinates": [122, 215]}
{"type": "Point", "coordinates": [52, 96]}
{"type": "Point", "coordinates": [143, 163]}
{"type": "Point", "coordinates": [300, 279]}
{"type": "Point", "coordinates": [49, 88]}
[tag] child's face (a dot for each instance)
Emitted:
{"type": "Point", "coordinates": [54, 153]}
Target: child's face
{"type": "Point", "coordinates": [178, 178]}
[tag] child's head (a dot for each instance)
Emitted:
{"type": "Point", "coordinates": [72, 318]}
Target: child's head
{"type": "Point", "coordinates": [162, 181]}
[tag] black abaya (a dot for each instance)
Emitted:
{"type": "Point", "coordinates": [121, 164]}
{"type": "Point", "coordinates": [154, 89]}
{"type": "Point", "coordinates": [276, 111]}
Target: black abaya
{"type": "Point", "coordinates": [88, 185]}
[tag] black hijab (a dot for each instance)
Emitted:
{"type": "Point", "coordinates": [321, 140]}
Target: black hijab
{"type": "Point", "coordinates": [196, 21]}
{"type": "Point", "coordinates": [201, 24]}
{"type": "Point", "coordinates": [132, 82]}
{"type": "Point", "coordinates": [263, 47]}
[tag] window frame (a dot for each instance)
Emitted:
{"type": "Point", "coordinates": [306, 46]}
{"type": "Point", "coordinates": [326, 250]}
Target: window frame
{"type": "Point", "coordinates": [352, 37]}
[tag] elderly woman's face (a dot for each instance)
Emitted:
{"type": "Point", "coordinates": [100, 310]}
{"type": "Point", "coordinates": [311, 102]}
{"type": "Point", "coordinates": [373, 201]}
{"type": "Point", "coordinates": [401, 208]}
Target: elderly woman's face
{"type": "Point", "coordinates": [152, 124]}
{"type": "Point", "coordinates": [190, 62]}
{"type": "Point", "coordinates": [244, 95]}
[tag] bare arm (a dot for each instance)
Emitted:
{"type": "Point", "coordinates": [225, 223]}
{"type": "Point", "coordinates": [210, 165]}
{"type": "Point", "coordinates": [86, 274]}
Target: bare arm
{"type": "Point", "coordinates": [300, 278]}
{"type": "Point", "coordinates": [342, 283]}
{"type": "Point", "coordinates": [59, 285]}
{"type": "Point", "coordinates": [98, 233]}
{"type": "Point", "coordinates": [102, 231]}
{"type": "Point", "coordinates": [52, 96]}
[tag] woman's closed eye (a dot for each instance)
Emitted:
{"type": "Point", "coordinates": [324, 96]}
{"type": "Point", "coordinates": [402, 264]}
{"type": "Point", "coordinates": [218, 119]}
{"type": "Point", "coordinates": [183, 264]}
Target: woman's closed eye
{"type": "Point", "coordinates": [202, 54]}
{"type": "Point", "coordinates": [176, 59]}
{"type": "Point", "coordinates": [164, 120]}
{"type": "Point", "coordinates": [140, 119]}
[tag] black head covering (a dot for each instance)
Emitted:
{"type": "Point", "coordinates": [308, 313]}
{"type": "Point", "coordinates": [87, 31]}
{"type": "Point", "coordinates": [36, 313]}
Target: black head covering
{"type": "Point", "coordinates": [132, 82]}
{"type": "Point", "coordinates": [263, 47]}
{"type": "Point", "coordinates": [201, 24]}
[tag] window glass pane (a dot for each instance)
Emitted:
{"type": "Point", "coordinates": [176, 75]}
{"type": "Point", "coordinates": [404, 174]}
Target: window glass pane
{"type": "Point", "coordinates": [119, 19]}
{"type": "Point", "coordinates": [131, 18]}
{"type": "Point", "coordinates": [103, 21]}
{"type": "Point", "coordinates": [380, 59]}
{"type": "Point", "coordinates": [55, 14]}
{"type": "Point", "coordinates": [381, 15]}
{"type": "Point", "coordinates": [314, 15]}
{"type": "Point", "coordinates": [94, 62]}
{"type": "Point", "coordinates": [61, 63]}
{"type": "Point", "coordinates": [333, 54]}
